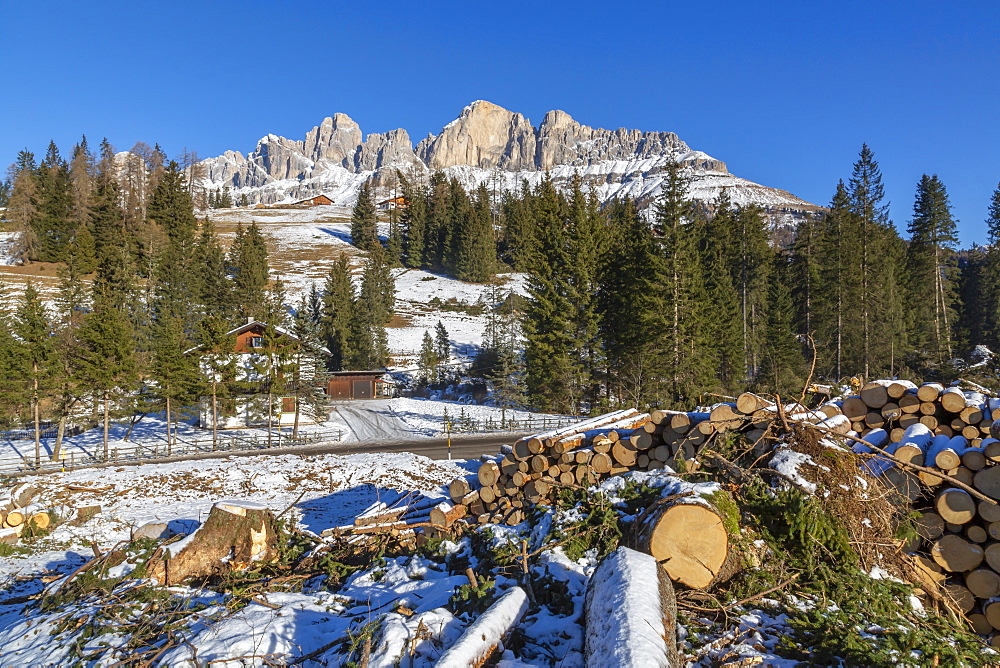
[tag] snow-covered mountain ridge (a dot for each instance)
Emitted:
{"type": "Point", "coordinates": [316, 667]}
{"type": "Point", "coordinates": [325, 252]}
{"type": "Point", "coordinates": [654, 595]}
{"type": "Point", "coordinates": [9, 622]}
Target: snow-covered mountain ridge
{"type": "Point", "coordinates": [485, 144]}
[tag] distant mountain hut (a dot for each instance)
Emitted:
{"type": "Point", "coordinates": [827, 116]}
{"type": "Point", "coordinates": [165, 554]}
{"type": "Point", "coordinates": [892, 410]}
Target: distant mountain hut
{"type": "Point", "coordinates": [318, 200]}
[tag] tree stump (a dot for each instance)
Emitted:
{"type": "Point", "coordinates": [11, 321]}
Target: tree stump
{"type": "Point", "coordinates": [236, 534]}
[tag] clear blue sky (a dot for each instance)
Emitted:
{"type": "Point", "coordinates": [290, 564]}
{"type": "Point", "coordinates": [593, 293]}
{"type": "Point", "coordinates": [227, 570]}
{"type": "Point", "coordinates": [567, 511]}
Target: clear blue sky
{"type": "Point", "coordinates": [784, 92]}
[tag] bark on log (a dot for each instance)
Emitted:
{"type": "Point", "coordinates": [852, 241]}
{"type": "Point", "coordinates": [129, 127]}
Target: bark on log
{"type": "Point", "coordinates": [952, 400]}
{"type": "Point", "coordinates": [629, 622]}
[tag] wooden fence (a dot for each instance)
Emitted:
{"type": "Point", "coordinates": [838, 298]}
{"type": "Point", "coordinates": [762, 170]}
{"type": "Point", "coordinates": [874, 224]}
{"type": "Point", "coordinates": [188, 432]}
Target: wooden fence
{"type": "Point", "coordinates": [128, 452]}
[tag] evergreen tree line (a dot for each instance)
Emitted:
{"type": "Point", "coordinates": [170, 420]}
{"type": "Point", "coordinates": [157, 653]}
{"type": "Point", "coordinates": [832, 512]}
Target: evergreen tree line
{"type": "Point", "coordinates": [695, 299]}
{"type": "Point", "coordinates": [147, 333]}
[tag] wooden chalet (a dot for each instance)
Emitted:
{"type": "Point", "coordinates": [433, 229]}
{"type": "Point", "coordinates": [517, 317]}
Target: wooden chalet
{"type": "Point", "coordinates": [393, 203]}
{"type": "Point", "coordinates": [318, 200]}
{"type": "Point", "coordinates": [244, 409]}
{"type": "Point", "coordinates": [359, 385]}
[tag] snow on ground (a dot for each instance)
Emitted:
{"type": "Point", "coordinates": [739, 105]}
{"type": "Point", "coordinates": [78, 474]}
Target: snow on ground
{"type": "Point", "coordinates": [335, 488]}
{"type": "Point", "coordinates": [7, 248]}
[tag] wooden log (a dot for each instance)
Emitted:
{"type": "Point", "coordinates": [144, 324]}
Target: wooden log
{"type": "Point", "coordinates": [855, 408]}
{"type": "Point", "coordinates": [980, 624]}
{"type": "Point", "coordinates": [961, 596]}
{"type": "Point", "coordinates": [909, 403]}
{"type": "Point", "coordinates": [601, 462]}
{"type": "Point", "coordinates": [536, 491]}
{"type": "Point", "coordinates": [992, 613]}
{"type": "Point", "coordinates": [931, 422]}
{"type": "Point", "coordinates": [955, 505]}
{"type": "Point", "coordinates": [445, 514]}
{"type": "Point", "coordinates": [995, 429]}
{"type": "Point", "coordinates": [624, 453]}
{"type": "Point", "coordinates": [488, 474]}
{"type": "Point", "coordinates": [641, 440]}
{"type": "Point", "coordinates": [970, 431]}
{"type": "Point", "coordinates": [874, 394]}
{"type": "Point", "coordinates": [989, 512]}
{"type": "Point", "coordinates": [928, 408]}
{"type": "Point", "coordinates": [991, 448]}
{"type": "Point", "coordinates": [963, 475]}
{"type": "Point", "coordinates": [974, 459]}
{"type": "Point", "coordinates": [976, 533]}
{"type": "Point", "coordinates": [874, 420]}
{"type": "Point", "coordinates": [838, 424]}
{"type": "Point", "coordinates": [987, 481]}
{"type": "Point", "coordinates": [538, 440]}
{"type": "Point", "coordinates": [983, 583]}
{"type": "Point", "coordinates": [991, 553]}
{"type": "Point", "coordinates": [688, 540]}
{"type": "Point", "coordinates": [583, 456]}
{"type": "Point", "coordinates": [929, 391]}
{"type": "Point", "coordinates": [724, 417]}
{"type": "Point", "coordinates": [481, 641]}
{"type": "Point", "coordinates": [681, 423]}
{"type": "Point", "coordinates": [897, 388]}
{"type": "Point", "coordinates": [952, 400]}
{"type": "Point", "coordinates": [459, 488]}
{"type": "Point", "coordinates": [488, 494]}
{"type": "Point", "coordinates": [629, 621]}
{"type": "Point", "coordinates": [955, 554]}
{"type": "Point", "coordinates": [891, 411]}
{"type": "Point", "coordinates": [748, 403]}
{"type": "Point", "coordinates": [830, 409]}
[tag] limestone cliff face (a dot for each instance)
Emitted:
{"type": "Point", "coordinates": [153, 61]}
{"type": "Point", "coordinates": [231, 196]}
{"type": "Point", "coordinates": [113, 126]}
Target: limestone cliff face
{"type": "Point", "coordinates": [485, 142]}
{"type": "Point", "coordinates": [335, 140]}
{"type": "Point", "coordinates": [484, 136]}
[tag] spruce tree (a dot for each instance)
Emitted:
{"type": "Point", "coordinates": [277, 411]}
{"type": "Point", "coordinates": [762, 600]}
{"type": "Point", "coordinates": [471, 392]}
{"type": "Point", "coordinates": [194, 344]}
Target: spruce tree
{"type": "Point", "coordinates": [879, 263]}
{"type": "Point", "coordinates": [171, 207]}
{"type": "Point", "coordinates": [477, 251]}
{"type": "Point", "coordinates": [378, 287]}
{"type": "Point", "coordinates": [33, 330]}
{"type": "Point", "coordinates": [413, 221]}
{"type": "Point", "coordinates": [548, 329]}
{"type": "Point", "coordinates": [307, 360]}
{"type": "Point", "coordinates": [804, 273]}
{"type": "Point", "coordinates": [428, 358]}
{"type": "Point", "coordinates": [932, 297]}
{"type": "Point", "coordinates": [586, 238]}
{"type": "Point", "coordinates": [751, 277]}
{"type": "Point", "coordinates": [213, 288]}
{"type": "Point", "coordinates": [174, 373]}
{"type": "Point", "coordinates": [629, 303]}
{"type": "Point", "coordinates": [248, 264]}
{"type": "Point", "coordinates": [442, 343]}
{"type": "Point", "coordinates": [839, 284]}
{"type": "Point", "coordinates": [364, 223]}
{"type": "Point", "coordinates": [781, 363]}
{"type": "Point", "coordinates": [81, 176]}
{"type": "Point", "coordinates": [107, 359]}
{"type": "Point", "coordinates": [991, 272]}
{"type": "Point", "coordinates": [718, 246]}
{"type": "Point", "coordinates": [678, 316]}
{"type": "Point", "coordinates": [338, 312]}
{"type": "Point", "coordinates": [54, 227]}
{"type": "Point", "coordinates": [218, 365]}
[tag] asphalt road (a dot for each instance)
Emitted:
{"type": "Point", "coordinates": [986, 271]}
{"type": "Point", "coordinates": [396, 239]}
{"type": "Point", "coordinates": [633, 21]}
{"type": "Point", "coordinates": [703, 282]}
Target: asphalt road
{"type": "Point", "coordinates": [466, 447]}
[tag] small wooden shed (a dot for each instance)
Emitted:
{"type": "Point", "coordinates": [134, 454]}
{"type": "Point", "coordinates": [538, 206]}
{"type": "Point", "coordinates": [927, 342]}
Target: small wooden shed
{"type": "Point", "coordinates": [359, 385]}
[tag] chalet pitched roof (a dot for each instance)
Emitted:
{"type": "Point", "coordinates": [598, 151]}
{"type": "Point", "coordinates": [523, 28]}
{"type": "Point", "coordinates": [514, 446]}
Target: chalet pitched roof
{"type": "Point", "coordinates": [250, 324]}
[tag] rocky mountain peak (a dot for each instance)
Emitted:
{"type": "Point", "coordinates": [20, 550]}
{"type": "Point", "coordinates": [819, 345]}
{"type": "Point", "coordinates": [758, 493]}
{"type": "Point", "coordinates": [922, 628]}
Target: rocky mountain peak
{"type": "Point", "coordinates": [484, 135]}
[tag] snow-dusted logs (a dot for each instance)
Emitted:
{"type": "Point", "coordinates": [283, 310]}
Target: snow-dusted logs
{"type": "Point", "coordinates": [688, 539]}
{"type": "Point", "coordinates": [629, 621]}
{"type": "Point", "coordinates": [484, 638]}
{"type": "Point", "coordinates": [444, 514]}
{"type": "Point", "coordinates": [235, 535]}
